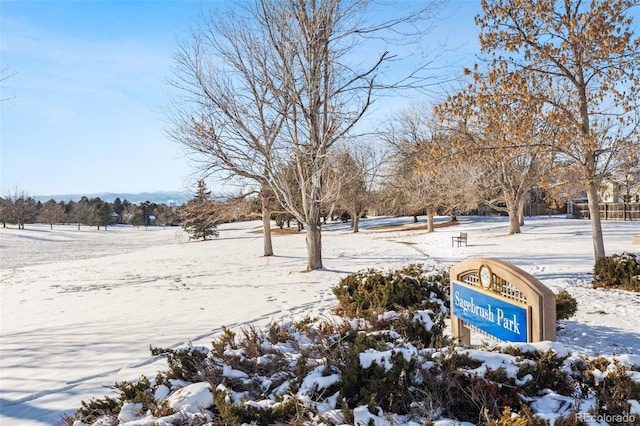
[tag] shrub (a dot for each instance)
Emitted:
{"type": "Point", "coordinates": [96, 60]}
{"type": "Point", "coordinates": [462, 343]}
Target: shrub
{"type": "Point", "coordinates": [476, 395]}
{"type": "Point", "coordinates": [135, 392]}
{"type": "Point", "coordinates": [411, 302]}
{"type": "Point", "coordinates": [611, 385]}
{"type": "Point", "coordinates": [618, 271]}
{"type": "Point", "coordinates": [566, 305]}
{"type": "Point", "coordinates": [184, 364]}
{"type": "Point", "coordinates": [546, 370]}
{"type": "Point", "coordinates": [385, 386]}
{"type": "Point", "coordinates": [523, 418]}
{"type": "Point", "coordinates": [230, 413]}
{"type": "Point", "coordinates": [372, 292]}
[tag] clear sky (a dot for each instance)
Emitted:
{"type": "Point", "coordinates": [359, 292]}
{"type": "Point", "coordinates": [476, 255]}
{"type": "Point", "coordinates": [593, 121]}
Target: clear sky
{"type": "Point", "coordinates": [86, 100]}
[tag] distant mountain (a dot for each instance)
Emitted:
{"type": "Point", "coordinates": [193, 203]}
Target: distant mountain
{"type": "Point", "coordinates": [166, 197]}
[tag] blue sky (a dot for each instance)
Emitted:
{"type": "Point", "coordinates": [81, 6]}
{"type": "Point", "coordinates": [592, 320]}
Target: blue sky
{"type": "Point", "coordinates": [85, 113]}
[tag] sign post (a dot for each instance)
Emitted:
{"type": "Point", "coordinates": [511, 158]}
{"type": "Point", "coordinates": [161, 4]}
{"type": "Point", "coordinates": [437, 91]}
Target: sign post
{"type": "Point", "coordinates": [500, 300]}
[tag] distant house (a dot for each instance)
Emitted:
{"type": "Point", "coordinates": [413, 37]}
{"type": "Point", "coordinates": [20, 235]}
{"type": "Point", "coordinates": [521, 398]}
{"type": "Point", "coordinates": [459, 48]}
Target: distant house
{"type": "Point", "coordinates": [615, 191]}
{"type": "Point", "coordinates": [618, 200]}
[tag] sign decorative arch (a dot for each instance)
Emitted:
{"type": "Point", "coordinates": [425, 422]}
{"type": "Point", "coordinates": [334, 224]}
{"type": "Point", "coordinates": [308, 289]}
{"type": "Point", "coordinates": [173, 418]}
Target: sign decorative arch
{"type": "Point", "coordinates": [500, 300]}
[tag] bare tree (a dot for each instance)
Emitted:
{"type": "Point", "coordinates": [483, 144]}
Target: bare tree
{"type": "Point", "coordinates": [356, 172]}
{"type": "Point", "coordinates": [52, 213]}
{"type": "Point", "coordinates": [325, 90]}
{"type": "Point", "coordinates": [227, 117]}
{"type": "Point", "coordinates": [21, 208]}
{"type": "Point", "coordinates": [81, 212]}
{"type": "Point", "coordinates": [277, 85]}
{"type": "Point", "coordinates": [166, 215]}
{"type": "Point", "coordinates": [627, 172]}
{"type": "Point", "coordinates": [507, 138]}
{"type": "Point", "coordinates": [581, 61]}
{"type": "Point", "coordinates": [5, 211]}
{"type": "Point", "coordinates": [418, 176]}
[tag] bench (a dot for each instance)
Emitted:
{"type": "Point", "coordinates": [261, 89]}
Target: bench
{"type": "Point", "coordinates": [462, 238]}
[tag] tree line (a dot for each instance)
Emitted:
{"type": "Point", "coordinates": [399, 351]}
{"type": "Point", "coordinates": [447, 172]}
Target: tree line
{"type": "Point", "coordinates": [18, 208]}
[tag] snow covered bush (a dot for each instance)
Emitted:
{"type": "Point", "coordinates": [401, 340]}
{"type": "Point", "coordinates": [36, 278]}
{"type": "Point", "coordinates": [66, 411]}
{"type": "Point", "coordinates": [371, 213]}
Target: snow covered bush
{"type": "Point", "coordinates": [523, 418]}
{"type": "Point", "coordinates": [372, 292]}
{"type": "Point", "coordinates": [618, 271]}
{"type": "Point", "coordinates": [412, 302]}
{"type": "Point", "coordinates": [183, 363]}
{"type": "Point", "coordinates": [132, 401]}
{"type": "Point", "coordinates": [611, 384]}
{"type": "Point", "coordinates": [566, 305]}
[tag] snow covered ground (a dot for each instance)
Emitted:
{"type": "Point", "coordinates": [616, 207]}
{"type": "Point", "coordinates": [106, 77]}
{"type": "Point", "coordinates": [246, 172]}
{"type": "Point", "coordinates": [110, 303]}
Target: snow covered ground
{"type": "Point", "coordinates": [79, 309]}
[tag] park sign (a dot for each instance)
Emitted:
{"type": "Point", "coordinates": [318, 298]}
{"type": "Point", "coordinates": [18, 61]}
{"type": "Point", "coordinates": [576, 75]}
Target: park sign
{"type": "Point", "coordinates": [500, 300]}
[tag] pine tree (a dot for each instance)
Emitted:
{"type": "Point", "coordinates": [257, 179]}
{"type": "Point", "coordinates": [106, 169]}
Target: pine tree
{"type": "Point", "coordinates": [198, 215]}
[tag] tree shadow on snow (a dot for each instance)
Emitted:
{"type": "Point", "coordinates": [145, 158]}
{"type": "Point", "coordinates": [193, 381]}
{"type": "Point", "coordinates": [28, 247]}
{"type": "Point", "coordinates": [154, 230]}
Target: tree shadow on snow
{"type": "Point", "coordinates": [598, 339]}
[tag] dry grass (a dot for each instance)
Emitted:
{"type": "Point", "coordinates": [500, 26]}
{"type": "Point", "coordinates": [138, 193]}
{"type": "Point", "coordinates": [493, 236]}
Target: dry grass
{"type": "Point", "coordinates": [421, 226]}
{"type": "Point", "coordinates": [278, 231]}
{"type": "Point", "coordinates": [413, 226]}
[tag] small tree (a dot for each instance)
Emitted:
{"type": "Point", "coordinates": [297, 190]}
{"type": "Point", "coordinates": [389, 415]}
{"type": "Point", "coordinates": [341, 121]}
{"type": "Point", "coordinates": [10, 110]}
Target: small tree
{"type": "Point", "coordinates": [165, 215]}
{"type": "Point", "coordinates": [5, 211]}
{"type": "Point", "coordinates": [356, 172]}
{"type": "Point", "coordinates": [52, 213]}
{"type": "Point", "coordinates": [21, 208]}
{"type": "Point", "coordinates": [419, 178]}
{"type": "Point", "coordinates": [80, 211]}
{"type": "Point", "coordinates": [198, 215]}
{"type": "Point", "coordinates": [100, 213]}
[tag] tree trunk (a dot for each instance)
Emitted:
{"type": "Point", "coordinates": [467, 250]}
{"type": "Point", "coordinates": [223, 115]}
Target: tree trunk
{"type": "Point", "coordinates": [266, 227]}
{"type": "Point", "coordinates": [430, 225]}
{"type": "Point", "coordinates": [314, 237]}
{"type": "Point", "coordinates": [521, 212]}
{"type": "Point", "coordinates": [514, 219]}
{"type": "Point", "coordinates": [596, 224]}
{"type": "Point", "coordinates": [355, 220]}
{"type": "Point", "coordinates": [514, 223]}
{"type": "Point", "coordinates": [314, 247]}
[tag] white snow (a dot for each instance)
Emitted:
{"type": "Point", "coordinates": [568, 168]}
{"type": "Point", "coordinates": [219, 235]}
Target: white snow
{"type": "Point", "coordinates": [192, 398]}
{"type": "Point", "coordinates": [80, 309]}
{"type": "Point", "coordinates": [316, 380]}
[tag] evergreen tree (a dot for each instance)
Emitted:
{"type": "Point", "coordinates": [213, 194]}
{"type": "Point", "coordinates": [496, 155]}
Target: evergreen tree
{"type": "Point", "coordinates": [100, 213]}
{"type": "Point", "coordinates": [198, 215]}
{"type": "Point", "coordinates": [118, 208]}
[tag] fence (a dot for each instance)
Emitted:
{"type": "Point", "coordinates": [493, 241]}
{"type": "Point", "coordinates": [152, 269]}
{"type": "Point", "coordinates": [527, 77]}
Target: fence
{"type": "Point", "coordinates": [530, 209]}
{"type": "Point", "coordinates": [608, 211]}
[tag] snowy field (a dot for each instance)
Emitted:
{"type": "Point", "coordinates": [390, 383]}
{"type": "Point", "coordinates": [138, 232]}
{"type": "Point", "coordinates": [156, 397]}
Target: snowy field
{"type": "Point", "coordinates": [79, 309]}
